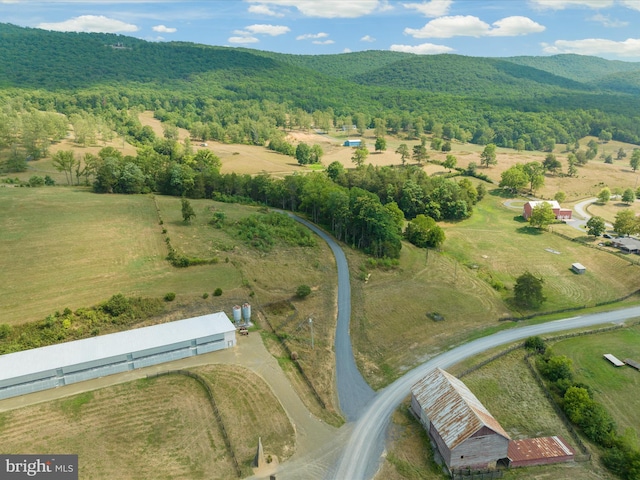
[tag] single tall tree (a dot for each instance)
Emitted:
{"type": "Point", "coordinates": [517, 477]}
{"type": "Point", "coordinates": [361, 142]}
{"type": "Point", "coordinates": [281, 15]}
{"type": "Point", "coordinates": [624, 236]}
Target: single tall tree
{"type": "Point", "coordinates": [187, 211]}
{"type": "Point", "coordinates": [542, 215]}
{"type": "Point", "coordinates": [528, 290]}
{"type": "Point", "coordinates": [488, 155]}
{"type": "Point", "coordinates": [596, 226]}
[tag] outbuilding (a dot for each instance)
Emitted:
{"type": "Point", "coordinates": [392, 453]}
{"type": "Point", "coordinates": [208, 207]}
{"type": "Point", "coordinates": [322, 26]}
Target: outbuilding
{"type": "Point", "coordinates": [42, 368]}
{"type": "Point", "coordinates": [578, 268]}
{"type": "Point", "coordinates": [464, 432]}
{"type": "Point", "coordinates": [352, 143]}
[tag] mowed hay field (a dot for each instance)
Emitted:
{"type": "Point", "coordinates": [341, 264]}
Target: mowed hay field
{"type": "Point", "coordinates": [497, 243]}
{"type": "Point", "coordinates": [618, 388]}
{"type": "Point", "coordinates": [66, 247]}
{"type": "Point", "coordinates": [390, 327]}
{"type": "Point", "coordinates": [152, 428]}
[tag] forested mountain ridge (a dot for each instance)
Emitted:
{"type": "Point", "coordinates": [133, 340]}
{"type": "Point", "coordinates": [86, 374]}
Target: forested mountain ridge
{"type": "Point", "coordinates": [581, 68]}
{"type": "Point", "coordinates": [241, 95]}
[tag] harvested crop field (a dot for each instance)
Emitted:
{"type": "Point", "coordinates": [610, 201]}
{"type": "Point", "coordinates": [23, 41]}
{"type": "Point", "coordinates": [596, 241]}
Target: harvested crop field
{"type": "Point", "coordinates": [154, 428]}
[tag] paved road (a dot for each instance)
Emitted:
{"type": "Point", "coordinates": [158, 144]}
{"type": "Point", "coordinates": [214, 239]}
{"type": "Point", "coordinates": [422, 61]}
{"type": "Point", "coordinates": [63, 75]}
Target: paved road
{"type": "Point", "coordinates": [354, 393]}
{"type": "Point", "coordinates": [361, 456]}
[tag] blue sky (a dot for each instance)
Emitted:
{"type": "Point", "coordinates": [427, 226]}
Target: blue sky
{"type": "Point", "coordinates": [605, 28]}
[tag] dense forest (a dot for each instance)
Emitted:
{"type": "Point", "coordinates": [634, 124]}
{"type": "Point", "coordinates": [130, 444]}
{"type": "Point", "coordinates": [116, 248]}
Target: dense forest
{"type": "Point", "coordinates": [244, 95]}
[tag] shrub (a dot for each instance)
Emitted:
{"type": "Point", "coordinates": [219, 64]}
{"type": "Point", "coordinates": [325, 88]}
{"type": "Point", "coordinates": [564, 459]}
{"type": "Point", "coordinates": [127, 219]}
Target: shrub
{"type": "Point", "coordinates": [169, 297]}
{"type": "Point", "coordinates": [303, 291]}
{"type": "Point", "coordinates": [36, 181]}
{"type": "Point", "coordinates": [217, 292]}
{"type": "Point", "coordinates": [205, 295]}
{"type": "Point", "coordinates": [5, 330]}
{"type": "Point", "coordinates": [535, 344]}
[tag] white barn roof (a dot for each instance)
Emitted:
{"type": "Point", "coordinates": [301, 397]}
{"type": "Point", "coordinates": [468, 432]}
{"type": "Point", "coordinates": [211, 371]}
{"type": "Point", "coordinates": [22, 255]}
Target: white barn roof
{"type": "Point", "coordinates": [452, 408]}
{"type": "Point", "coordinates": [553, 203]}
{"type": "Point", "coordinates": [76, 352]}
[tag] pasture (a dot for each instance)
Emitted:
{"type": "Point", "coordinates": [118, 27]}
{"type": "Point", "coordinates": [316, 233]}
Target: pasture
{"type": "Point", "coordinates": [616, 388]}
{"type": "Point", "coordinates": [391, 329]}
{"type": "Point", "coordinates": [156, 428]}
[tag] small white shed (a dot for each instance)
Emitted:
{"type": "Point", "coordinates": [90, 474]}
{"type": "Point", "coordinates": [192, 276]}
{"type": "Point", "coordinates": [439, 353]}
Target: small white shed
{"type": "Point", "coordinates": [578, 268]}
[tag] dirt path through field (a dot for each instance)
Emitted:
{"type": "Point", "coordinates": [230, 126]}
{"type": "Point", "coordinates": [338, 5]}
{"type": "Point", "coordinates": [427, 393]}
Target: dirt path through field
{"type": "Point", "coordinates": [311, 433]}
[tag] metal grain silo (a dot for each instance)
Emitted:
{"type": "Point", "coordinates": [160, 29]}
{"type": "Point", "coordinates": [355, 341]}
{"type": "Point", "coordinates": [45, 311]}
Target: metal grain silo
{"type": "Point", "coordinates": [246, 312]}
{"type": "Point", "coordinates": [237, 314]}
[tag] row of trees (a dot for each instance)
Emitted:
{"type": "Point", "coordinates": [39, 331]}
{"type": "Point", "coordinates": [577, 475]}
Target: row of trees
{"type": "Point", "coordinates": [620, 455]}
{"type": "Point", "coordinates": [365, 206]}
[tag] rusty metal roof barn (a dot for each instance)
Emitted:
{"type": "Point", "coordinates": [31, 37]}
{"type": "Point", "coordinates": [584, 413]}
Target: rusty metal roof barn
{"type": "Point", "coordinates": [452, 408]}
{"type": "Point", "coordinates": [540, 451]}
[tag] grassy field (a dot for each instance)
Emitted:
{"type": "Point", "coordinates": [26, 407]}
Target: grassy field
{"type": "Point", "coordinates": [391, 330]}
{"type": "Point", "coordinates": [77, 249]}
{"type": "Point", "coordinates": [65, 247]}
{"type": "Point", "coordinates": [157, 428]}
{"type": "Point", "coordinates": [616, 388]}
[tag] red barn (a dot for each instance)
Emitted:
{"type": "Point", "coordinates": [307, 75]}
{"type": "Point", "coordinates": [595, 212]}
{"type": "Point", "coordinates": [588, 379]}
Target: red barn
{"type": "Point", "coordinates": [560, 213]}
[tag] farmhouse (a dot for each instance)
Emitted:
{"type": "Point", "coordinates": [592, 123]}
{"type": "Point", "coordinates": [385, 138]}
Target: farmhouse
{"type": "Point", "coordinates": [65, 363]}
{"type": "Point", "coordinates": [627, 244]}
{"type": "Point", "coordinates": [560, 213]}
{"type": "Point", "coordinates": [464, 432]}
{"type": "Point", "coordinates": [352, 143]}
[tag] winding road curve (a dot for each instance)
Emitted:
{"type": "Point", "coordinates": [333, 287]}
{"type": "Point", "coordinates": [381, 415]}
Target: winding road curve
{"type": "Point", "coordinates": [368, 412]}
{"type": "Point", "coordinates": [361, 455]}
{"type": "Point", "coordinates": [354, 393]}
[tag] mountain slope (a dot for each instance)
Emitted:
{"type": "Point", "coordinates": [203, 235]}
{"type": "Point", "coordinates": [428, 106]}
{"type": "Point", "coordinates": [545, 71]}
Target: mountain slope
{"type": "Point", "coordinates": [580, 68]}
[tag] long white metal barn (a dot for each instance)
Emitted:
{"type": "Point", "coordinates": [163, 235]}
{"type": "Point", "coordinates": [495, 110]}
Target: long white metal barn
{"type": "Point", "coordinates": [38, 369]}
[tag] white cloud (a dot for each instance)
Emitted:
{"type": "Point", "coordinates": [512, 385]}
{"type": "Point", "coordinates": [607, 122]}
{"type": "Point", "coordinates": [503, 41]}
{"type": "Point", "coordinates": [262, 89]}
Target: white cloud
{"type": "Point", "coordinates": [424, 49]}
{"type": "Point", "coordinates": [596, 46]}
{"type": "Point", "coordinates": [243, 39]}
{"type": "Point", "coordinates": [264, 10]}
{"type": "Point", "coordinates": [368, 38]}
{"type": "Point", "coordinates": [434, 8]}
{"type": "Point", "coordinates": [470, 26]}
{"type": "Point", "coordinates": [330, 8]}
{"type": "Point", "coordinates": [90, 23]}
{"type": "Point", "coordinates": [308, 36]}
{"type": "Point", "coordinates": [606, 21]}
{"type": "Point", "coordinates": [323, 42]}
{"type": "Point", "coordinates": [632, 4]}
{"type": "Point", "coordinates": [163, 29]}
{"type": "Point", "coordinates": [514, 26]}
{"type": "Point", "coordinates": [447, 27]}
{"type": "Point", "coordinates": [562, 4]}
{"type": "Point", "coordinates": [273, 30]}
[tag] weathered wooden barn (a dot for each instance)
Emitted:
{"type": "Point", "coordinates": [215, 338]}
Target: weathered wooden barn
{"type": "Point", "coordinates": [463, 430]}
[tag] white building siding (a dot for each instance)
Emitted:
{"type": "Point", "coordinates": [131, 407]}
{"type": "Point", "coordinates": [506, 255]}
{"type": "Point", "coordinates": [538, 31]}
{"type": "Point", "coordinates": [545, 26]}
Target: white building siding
{"type": "Point", "coordinates": [56, 365]}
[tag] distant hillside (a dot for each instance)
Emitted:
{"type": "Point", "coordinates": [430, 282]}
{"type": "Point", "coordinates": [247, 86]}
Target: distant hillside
{"type": "Point", "coordinates": [345, 65]}
{"type": "Point", "coordinates": [580, 68]}
{"type": "Point", "coordinates": [461, 75]}
{"type": "Point", "coordinates": [485, 99]}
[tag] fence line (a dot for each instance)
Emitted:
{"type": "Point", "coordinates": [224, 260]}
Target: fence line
{"type": "Point", "coordinates": [216, 413]}
{"type": "Point", "coordinates": [296, 362]}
